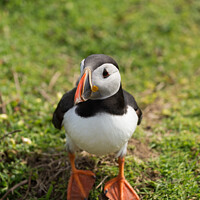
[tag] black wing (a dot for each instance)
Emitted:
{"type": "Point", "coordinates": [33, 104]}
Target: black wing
{"type": "Point", "coordinates": [131, 101]}
{"type": "Point", "coordinates": [66, 102]}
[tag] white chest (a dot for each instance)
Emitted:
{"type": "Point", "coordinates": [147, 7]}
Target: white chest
{"type": "Point", "coordinates": [101, 134]}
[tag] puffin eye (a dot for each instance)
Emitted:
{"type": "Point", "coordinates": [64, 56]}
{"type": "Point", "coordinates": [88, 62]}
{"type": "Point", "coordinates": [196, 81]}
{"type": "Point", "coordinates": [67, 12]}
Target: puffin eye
{"type": "Point", "coordinates": [105, 73]}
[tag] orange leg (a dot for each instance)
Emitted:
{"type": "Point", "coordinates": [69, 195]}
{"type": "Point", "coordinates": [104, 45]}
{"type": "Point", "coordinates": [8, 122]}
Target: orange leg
{"type": "Point", "coordinates": [118, 188]}
{"type": "Point", "coordinates": [80, 182]}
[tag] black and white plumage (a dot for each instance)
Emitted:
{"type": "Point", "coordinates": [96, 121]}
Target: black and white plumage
{"type": "Point", "coordinates": [100, 117]}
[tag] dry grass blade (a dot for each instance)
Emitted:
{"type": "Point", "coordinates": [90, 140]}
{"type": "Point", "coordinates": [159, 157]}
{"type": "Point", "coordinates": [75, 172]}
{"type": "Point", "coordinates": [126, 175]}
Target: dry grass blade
{"type": "Point", "coordinates": [45, 95]}
{"type": "Point", "coordinates": [29, 186]}
{"type": "Point", "coordinates": [102, 182]}
{"type": "Point", "coordinates": [5, 135]}
{"type": "Point", "coordinates": [2, 105]}
{"type": "Point", "coordinates": [53, 80]}
{"type": "Point", "coordinates": [13, 188]}
{"type": "Point", "coordinates": [17, 84]}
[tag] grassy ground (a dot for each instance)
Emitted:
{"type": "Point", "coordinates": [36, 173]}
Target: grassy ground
{"type": "Point", "coordinates": [156, 44]}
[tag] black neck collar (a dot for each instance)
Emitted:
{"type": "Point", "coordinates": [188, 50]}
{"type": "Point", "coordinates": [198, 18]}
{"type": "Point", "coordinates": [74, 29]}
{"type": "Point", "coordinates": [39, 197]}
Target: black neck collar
{"type": "Point", "coordinates": [113, 105]}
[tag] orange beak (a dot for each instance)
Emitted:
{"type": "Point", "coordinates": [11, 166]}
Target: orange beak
{"type": "Point", "coordinates": [85, 88]}
{"type": "Point", "coordinates": [79, 91]}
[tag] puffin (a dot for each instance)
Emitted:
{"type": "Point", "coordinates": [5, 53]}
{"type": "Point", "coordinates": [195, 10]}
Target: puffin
{"type": "Point", "coordinates": [99, 117]}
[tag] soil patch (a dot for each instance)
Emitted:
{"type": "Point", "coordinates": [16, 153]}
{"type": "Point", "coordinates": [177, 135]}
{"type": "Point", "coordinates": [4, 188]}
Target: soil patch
{"type": "Point", "coordinates": [140, 150]}
{"type": "Point", "coordinates": [152, 114]}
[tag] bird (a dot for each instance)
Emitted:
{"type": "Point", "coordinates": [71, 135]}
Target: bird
{"type": "Point", "coordinates": [99, 117]}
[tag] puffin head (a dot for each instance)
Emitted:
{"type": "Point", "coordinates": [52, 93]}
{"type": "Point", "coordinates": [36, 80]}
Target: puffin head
{"type": "Point", "coordinates": [100, 78]}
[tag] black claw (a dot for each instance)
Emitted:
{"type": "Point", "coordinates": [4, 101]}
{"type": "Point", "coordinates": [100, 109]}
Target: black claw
{"type": "Point", "coordinates": [105, 192]}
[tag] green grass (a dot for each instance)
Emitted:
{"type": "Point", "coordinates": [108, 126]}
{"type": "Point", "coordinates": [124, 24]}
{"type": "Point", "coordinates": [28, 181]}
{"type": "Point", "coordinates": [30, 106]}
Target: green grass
{"type": "Point", "coordinates": [156, 44]}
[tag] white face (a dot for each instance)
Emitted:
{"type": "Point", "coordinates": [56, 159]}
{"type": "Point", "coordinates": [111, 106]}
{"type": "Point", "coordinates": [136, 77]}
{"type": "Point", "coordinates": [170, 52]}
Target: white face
{"type": "Point", "coordinates": [82, 66]}
{"type": "Point", "coordinates": [107, 78]}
